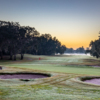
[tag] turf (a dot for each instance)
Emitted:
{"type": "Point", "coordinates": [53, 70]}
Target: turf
{"type": "Point", "coordinates": [58, 87]}
{"type": "Point", "coordinates": [67, 64]}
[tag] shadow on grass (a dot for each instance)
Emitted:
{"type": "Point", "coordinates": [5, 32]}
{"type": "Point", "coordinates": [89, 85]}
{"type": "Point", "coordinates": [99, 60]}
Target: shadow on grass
{"type": "Point", "coordinates": [92, 62]}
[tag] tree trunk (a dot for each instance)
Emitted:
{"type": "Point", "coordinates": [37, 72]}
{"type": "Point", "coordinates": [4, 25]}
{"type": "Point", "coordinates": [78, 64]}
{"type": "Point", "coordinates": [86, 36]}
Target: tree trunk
{"type": "Point", "coordinates": [14, 56]}
{"type": "Point", "coordinates": [1, 55]}
{"type": "Point", "coordinates": [22, 56]}
{"type": "Point", "coordinates": [10, 57]}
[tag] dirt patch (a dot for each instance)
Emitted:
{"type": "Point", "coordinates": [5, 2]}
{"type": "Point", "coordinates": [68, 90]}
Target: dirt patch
{"type": "Point", "coordinates": [22, 75]}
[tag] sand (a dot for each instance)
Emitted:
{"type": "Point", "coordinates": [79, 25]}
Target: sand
{"type": "Point", "coordinates": [22, 76]}
{"type": "Point", "coordinates": [95, 81]}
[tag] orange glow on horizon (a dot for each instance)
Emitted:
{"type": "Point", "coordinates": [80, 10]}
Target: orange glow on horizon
{"type": "Point", "coordinates": [76, 43]}
{"type": "Point", "coordinates": [75, 46]}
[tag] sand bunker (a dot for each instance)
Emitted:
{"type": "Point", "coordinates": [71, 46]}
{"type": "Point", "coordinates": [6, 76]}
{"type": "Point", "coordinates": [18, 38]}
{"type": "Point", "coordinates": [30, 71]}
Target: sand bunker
{"type": "Point", "coordinates": [22, 75]}
{"type": "Point", "coordinates": [95, 81]}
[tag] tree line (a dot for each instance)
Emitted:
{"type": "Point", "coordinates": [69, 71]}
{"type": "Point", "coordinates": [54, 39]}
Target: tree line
{"type": "Point", "coordinates": [78, 50]}
{"type": "Point", "coordinates": [17, 39]}
{"type": "Point", "coordinates": [94, 48]}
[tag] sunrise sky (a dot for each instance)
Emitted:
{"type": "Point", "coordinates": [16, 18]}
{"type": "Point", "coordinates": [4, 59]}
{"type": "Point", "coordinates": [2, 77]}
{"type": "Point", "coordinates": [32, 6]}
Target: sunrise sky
{"type": "Point", "coordinates": [73, 22]}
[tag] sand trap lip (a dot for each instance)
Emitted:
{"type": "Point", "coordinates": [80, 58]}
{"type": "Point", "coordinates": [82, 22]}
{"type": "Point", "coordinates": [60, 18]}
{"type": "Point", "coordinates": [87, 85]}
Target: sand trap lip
{"type": "Point", "coordinates": [93, 81]}
{"type": "Point", "coordinates": [78, 83]}
{"type": "Point", "coordinates": [22, 75]}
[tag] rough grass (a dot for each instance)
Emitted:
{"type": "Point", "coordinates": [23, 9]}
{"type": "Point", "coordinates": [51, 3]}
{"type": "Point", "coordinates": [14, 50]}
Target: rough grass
{"type": "Point", "coordinates": [59, 86]}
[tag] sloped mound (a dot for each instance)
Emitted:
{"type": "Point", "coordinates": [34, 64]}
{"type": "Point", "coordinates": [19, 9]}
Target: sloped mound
{"type": "Point", "coordinates": [81, 82]}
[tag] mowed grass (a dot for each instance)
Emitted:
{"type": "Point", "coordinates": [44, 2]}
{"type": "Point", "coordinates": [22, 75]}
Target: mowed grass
{"type": "Point", "coordinates": [57, 87]}
{"type": "Point", "coordinates": [59, 68]}
{"type": "Point", "coordinates": [67, 64]}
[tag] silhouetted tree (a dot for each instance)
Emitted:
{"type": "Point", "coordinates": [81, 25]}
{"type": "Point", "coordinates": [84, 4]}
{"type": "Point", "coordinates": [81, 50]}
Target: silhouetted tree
{"type": "Point", "coordinates": [95, 48]}
{"type": "Point", "coordinates": [80, 50]}
{"type": "Point", "coordinates": [16, 39]}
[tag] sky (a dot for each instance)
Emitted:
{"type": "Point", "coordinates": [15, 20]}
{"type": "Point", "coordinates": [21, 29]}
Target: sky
{"type": "Point", "coordinates": [73, 22]}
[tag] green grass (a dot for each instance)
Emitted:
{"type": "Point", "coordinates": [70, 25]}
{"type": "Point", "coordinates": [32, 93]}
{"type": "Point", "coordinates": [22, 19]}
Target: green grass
{"type": "Point", "coordinates": [47, 92]}
{"type": "Point", "coordinates": [57, 87]}
{"type": "Point", "coordinates": [60, 68]}
{"type": "Point", "coordinates": [57, 64]}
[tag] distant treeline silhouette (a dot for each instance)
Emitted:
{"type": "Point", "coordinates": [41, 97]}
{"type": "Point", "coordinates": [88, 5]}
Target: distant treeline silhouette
{"type": "Point", "coordinates": [94, 48]}
{"type": "Point", "coordinates": [78, 50]}
{"type": "Point", "coordinates": [17, 39]}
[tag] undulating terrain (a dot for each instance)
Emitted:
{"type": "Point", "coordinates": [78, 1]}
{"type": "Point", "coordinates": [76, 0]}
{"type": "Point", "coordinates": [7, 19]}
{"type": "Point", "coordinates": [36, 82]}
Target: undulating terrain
{"type": "Point", "coordinates": [63, 83]}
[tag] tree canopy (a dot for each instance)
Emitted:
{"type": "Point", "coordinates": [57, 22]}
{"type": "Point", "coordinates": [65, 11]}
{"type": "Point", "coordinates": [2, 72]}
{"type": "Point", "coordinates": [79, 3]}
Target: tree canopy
{"type": "Point", "coordinates": [17, 39]}
{"type": "Point", "coordinates": [95, 48]}
{"type": "Point", "coordinates": [78, 50]}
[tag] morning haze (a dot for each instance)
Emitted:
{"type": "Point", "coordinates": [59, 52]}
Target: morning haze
{"type": "Point", "coordinates": [49, 50]}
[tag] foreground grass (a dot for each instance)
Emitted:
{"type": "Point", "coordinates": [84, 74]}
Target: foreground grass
{"type": "Point", "coordinates": [53, 88]}
{"type": "Point", "coordinates": [47, 92]}
{"type": "Point", "coordinates": [47, 89]}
